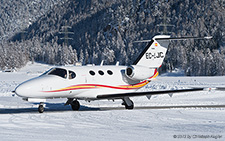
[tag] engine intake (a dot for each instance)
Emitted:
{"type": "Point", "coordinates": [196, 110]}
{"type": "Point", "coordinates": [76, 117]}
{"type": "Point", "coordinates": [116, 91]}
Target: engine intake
{"type": "Point", "coordinates": [139, 72]}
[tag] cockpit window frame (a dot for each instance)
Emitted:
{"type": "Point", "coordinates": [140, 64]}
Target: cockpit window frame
{"type": "Point", "coordinates": [63, 73]}
{"type": "Point", "coordinates": [46, 72]}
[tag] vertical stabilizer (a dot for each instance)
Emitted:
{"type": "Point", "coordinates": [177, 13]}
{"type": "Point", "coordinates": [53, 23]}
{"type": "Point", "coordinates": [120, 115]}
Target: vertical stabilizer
{"type": "Point", "coordinates": [154, 53]}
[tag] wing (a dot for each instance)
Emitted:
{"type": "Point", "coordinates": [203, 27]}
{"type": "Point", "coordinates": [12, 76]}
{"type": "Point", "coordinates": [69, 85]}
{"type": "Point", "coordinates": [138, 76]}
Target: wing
{"type": "Point", "coordinates": [149, 93]}
{"type": "Point", "coordinates": [220, 88]}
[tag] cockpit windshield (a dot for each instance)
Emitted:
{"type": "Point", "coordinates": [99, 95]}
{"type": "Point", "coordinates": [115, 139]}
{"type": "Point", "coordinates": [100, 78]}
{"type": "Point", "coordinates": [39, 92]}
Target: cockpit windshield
{"type": "Point", "coordinates": [59, 72]}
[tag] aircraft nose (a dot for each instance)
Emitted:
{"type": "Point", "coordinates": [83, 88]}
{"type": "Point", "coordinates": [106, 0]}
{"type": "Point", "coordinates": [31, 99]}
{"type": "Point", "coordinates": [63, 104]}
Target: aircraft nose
{"type": "Point", "coordinates": [23, 90]}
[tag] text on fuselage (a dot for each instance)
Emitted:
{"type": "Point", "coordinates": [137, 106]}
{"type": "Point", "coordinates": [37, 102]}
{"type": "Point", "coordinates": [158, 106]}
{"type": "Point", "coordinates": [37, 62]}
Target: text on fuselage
{"type": "Point", "coordinates": [154, 55]}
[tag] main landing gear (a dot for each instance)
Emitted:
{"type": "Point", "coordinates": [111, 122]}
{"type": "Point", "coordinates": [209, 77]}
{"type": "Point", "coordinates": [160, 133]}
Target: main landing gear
{"type": "Point", "coordinates": [129, 104]}
{"type": "Point", "coordinates": [75, 105]}
{"type": "Point", "coordinates": [41, 107]}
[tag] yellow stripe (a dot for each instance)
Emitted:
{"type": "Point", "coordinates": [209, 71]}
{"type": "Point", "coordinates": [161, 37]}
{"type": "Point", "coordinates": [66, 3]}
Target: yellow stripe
{"type": "Point", "coordinates": [76, 87]}
{"type": "Point", "coordinates": [156, 75]}
{"type": "Point", "coordinates": [135, 86]}
{"type": "Point", "coordinates": [129, 86]}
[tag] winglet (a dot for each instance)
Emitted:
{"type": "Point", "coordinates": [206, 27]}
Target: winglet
{"type": "Point", "coordinates": [102, 63]}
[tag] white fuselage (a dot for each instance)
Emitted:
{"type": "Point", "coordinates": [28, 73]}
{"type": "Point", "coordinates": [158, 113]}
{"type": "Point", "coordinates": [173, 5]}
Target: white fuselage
{"type": "Point", "coordinates": [87, 83]}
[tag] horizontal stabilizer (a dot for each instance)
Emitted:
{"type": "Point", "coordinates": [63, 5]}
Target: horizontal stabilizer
{"type": "Point", "coordinates": [174, 38]}
{"type": "Point", "coordinates": [184, 38]}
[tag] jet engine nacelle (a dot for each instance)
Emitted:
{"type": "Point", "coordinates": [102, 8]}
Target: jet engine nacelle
{"type": "Point", "coordinates": [135, 72]}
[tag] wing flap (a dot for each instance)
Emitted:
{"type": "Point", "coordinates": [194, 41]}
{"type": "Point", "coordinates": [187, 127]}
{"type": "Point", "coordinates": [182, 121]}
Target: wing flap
{"type": "Point", "coordinates": [121, 95]}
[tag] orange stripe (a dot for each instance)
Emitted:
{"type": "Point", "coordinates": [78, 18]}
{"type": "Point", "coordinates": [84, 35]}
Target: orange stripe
{"type": "Point", "coordinates": [94, 86]}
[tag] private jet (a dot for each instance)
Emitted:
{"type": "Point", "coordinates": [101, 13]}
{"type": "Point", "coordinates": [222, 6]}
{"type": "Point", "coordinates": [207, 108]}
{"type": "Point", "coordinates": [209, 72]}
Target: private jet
{"type": "Point", "coordinates": [94, 82]}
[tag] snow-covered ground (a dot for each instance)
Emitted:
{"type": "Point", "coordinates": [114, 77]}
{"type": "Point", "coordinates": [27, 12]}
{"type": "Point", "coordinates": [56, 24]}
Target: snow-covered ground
{"type": "Point", "coordinates": [187, 116]}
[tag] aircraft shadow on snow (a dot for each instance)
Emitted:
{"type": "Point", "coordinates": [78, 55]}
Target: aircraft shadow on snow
{"type": "Point", "coordinates": [59, 107]}
{"type": "Point", "coordinates": [50, 107]}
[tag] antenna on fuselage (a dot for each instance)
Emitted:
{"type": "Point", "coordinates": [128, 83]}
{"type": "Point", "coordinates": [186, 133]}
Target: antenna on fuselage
{"type": "Point", "coordinates": [102, 63]}
{"type": "Point", "coordinates": [117, 63]}
{"type": "Point", "coordinates": [78, 64]}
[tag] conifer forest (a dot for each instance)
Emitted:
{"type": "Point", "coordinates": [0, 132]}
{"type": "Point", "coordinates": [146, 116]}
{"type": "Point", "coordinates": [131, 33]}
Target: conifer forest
{"type": "Point", "coordinates": [63, 32]}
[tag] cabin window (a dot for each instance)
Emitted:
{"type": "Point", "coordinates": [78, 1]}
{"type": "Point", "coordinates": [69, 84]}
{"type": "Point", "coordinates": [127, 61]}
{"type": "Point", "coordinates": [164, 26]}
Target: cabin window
{"type": "Point", "coordinates": [109, 72]}
{"type": "Point", "coordinates": [72, 75]}
{"type": "Point", "coordinates": [92, 72]}
{"type": "Point", "coordinates": [58, 72]}
{"type": "Point", "coordinates": [101, 72]}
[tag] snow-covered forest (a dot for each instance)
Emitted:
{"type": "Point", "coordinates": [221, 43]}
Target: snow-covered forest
{"type": "Point", "coordinates": [68, 31]}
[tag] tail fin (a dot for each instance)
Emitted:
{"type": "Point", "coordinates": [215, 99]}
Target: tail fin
{"type": "Point", "coordinates": [154, 53]}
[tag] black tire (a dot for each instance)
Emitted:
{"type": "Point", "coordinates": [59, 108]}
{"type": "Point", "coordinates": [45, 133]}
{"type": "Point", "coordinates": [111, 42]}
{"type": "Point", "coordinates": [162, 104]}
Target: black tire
{"type": "Point", "coordinates": [41, 109]}
{"type": "Point", "coordinates": [129, 107]}
{"type": "Point", "coordinates": [75, 105]}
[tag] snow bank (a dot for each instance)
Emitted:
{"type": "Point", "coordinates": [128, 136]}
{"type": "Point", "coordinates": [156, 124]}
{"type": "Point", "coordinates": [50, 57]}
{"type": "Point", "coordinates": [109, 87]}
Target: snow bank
{"type": "Point", "coordinates": [184, 116]}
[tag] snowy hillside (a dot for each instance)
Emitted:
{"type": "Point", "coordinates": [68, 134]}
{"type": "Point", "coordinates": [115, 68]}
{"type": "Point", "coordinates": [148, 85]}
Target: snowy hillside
{"type": "Point", "coordinates": [66, 31]}
{"type": "Point", "coordinates": [196, 116]}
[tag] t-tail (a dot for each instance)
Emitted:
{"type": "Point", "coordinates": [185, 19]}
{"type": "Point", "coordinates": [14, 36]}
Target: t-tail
{"type": "Point", "coordinates": [154, 53]}
{"type": "Point", "coordinates": [151, 58]}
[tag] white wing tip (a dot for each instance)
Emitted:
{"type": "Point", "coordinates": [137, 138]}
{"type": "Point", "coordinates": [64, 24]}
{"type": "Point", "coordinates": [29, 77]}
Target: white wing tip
{"type": "Point", "coordinates": [208, 37]}
{"type": "Point", "coordinates": [161, 36]}
{"type": "Point", "coordinates": [141, 41]}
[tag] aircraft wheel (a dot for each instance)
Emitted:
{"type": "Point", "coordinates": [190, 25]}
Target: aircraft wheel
{"type": "Point", "coordinates": [41, 108]}
{"type": "Point", "coordinates": [129, 104]}
{"type": "Point", "coordinates": [75, 105]}
{"type": "Point", "coordinates": [129, 107]}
